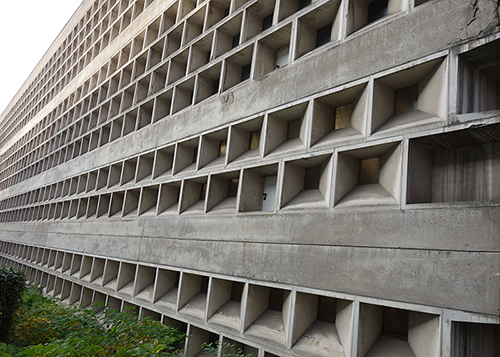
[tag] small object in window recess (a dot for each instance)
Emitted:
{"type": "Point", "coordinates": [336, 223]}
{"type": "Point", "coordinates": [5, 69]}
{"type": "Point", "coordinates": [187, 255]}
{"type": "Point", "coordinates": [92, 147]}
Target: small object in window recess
{"type": "Point", "coordinates": [264, 196]}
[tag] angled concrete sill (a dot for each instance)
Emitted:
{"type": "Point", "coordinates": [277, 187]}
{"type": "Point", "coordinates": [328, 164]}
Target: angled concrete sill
{"type": "Point", "coordinates": [228, 316]}
{"type": "Point", "coordinates": [405, 121]}
{"type": "Point", "coordinates": [168, 300]}
{"type": "Point", "coordinates": [320, 339]}
{"type": "Point", "coordinates": [367, 195]}
{"type": "Point", "coordinates": [306, 199]}
{"type": "Point", "coordinates": [288, 146]}
{"type": "Point", "coordinates": [195, 308]}
{"type": "Point", "coordinates": [269, 327]}
{"type": "Point", "coordinates": [338, 137]}
{"type": "Point", "coordinates": [246, 157]}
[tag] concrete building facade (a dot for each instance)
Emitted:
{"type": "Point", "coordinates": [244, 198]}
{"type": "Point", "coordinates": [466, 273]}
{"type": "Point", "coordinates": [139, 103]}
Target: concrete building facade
{"type": "Point", "coordinates": [296, 177]}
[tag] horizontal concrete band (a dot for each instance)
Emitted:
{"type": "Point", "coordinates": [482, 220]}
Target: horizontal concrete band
{"type": "Point", "coordinates": [411, 268]}
{"type": "Point", "coordinates": [457, 229]}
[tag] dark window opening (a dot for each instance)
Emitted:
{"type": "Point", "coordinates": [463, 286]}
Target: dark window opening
{"type": "Point", "coordinates": [324, 35]}
{"type": "Point", "coordinates": [237, 291]}
{"type": "Point", "coordinates": [216, 86]}
{"type": "Point", "coordinates": [396, 323]}
{"type": "Point", "coordinates": [245, 71]}
{"type": "Point", "coordinates": [293, 129]}
{"type": "Point", "coordinates": [327, 309]}
{"type": "Point", "coordinates": [236, 41]}
{"type": "Point", "coordinates": [203, 192]}
{"type": "Point", "coordinates": [226, 12]}
{"type": "Point", "coordinates": [304, 3]}
{"type": "Point", "coordinates": [420, 2]}
{"type": "Point", "coordinates": [267, 22]}
{"type": "Point", "coordinates": [312, 176]}
{"type": "Point", "coordinates": [377, 9]}
{"type": "Point", "coordinates": [276, 297]}
{"type": "Point", "coordinates": [233, 188]}
{"type": "Point", "coordinates": [204, 285]}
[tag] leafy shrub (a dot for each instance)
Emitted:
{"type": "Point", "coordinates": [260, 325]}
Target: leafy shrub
{"type": "Point", "coordinates": [12, 284]}
{"type": "Point", "coordinates": [226, 350]}
{"type": "Point", "coordinates": [52, 329]}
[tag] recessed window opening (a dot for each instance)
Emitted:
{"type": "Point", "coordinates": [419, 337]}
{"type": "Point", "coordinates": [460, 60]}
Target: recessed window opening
{"type": "Point", "coordinates": [293, 129]}
{"type": "Point", "coordinates": [396, 323]}
{"type": "Point", "coordinates": [377, 9]}
{"type": "Point", "coordinates": [226, 12]}
{"type": "Point", "coordinates": [267, 22]}
{"type": "Point", "coordinates": [323, 35]}
{"type": "Point", "coordinates": [245, 71]}
{"type": "Point", "coordinates": [204, 284]}
{"type": "Point", "coordinates": [276, 297]}
{"type": "Point", "coordinates": [304, 3]}
{"type": "Point", "coordinates": [327, 309]}
{"type": "Point", "coordinates": [282, 57]}
{"type": "Point", "coordinates": [203, 192]}
{"type": "Point", "coordinates": [216, 85]}
{"type": "Point", "coordinates": [236, 41]}
{"type": "Point", "coordinates": [420, 2]}
{"type": "Point", "coordinates": [222, 148]}
{"type": "Point", "coordinates": [195, 154]}
{"type": "Point", "coordinates": [343, 116]}
{"type": "Point", "coordinates": [254, 140]}
{"type": "Point", "coordinates": [479, 79]}
{"type": "Point", "coordinates": [311, 181]}
{"type": "Point", "coordinates": [233, 188]}
{"type": "Point", "coordinates": [406, 99]}
{"type": "Point", "coordinates": [237, 291]}
{"type": "Point", "coordinates": [369, 171]}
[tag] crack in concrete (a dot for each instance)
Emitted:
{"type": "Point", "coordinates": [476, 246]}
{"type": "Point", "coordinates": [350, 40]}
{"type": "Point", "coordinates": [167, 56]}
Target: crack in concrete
{"type": "Point", "coordinates": [476, 9]}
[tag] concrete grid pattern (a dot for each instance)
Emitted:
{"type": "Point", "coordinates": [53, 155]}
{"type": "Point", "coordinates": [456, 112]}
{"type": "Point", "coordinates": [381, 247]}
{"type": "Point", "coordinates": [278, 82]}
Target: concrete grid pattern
{"type": "Point", "coordinates": [303, 178]}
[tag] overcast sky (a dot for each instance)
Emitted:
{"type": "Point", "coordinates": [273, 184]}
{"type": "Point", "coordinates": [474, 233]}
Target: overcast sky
{"type": "Point", "coordinates": [27, 29]}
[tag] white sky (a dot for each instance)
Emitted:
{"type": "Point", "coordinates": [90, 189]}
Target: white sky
{"type": "Point", "coordinates": [27, 29]}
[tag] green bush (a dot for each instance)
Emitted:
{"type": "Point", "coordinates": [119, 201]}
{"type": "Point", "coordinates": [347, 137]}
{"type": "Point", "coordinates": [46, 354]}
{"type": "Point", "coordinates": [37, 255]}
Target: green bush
{"type": "Point", "coordinates": [49, 328]}
{"type": "Point", "coordinates": [12, 285]}
{"type": "Point", "coordinates": [226, 349]}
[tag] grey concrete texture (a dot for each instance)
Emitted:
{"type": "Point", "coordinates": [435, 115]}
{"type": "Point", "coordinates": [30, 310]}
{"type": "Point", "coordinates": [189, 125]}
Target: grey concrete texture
{"type": "Point", "coordinates": [446, 257]}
